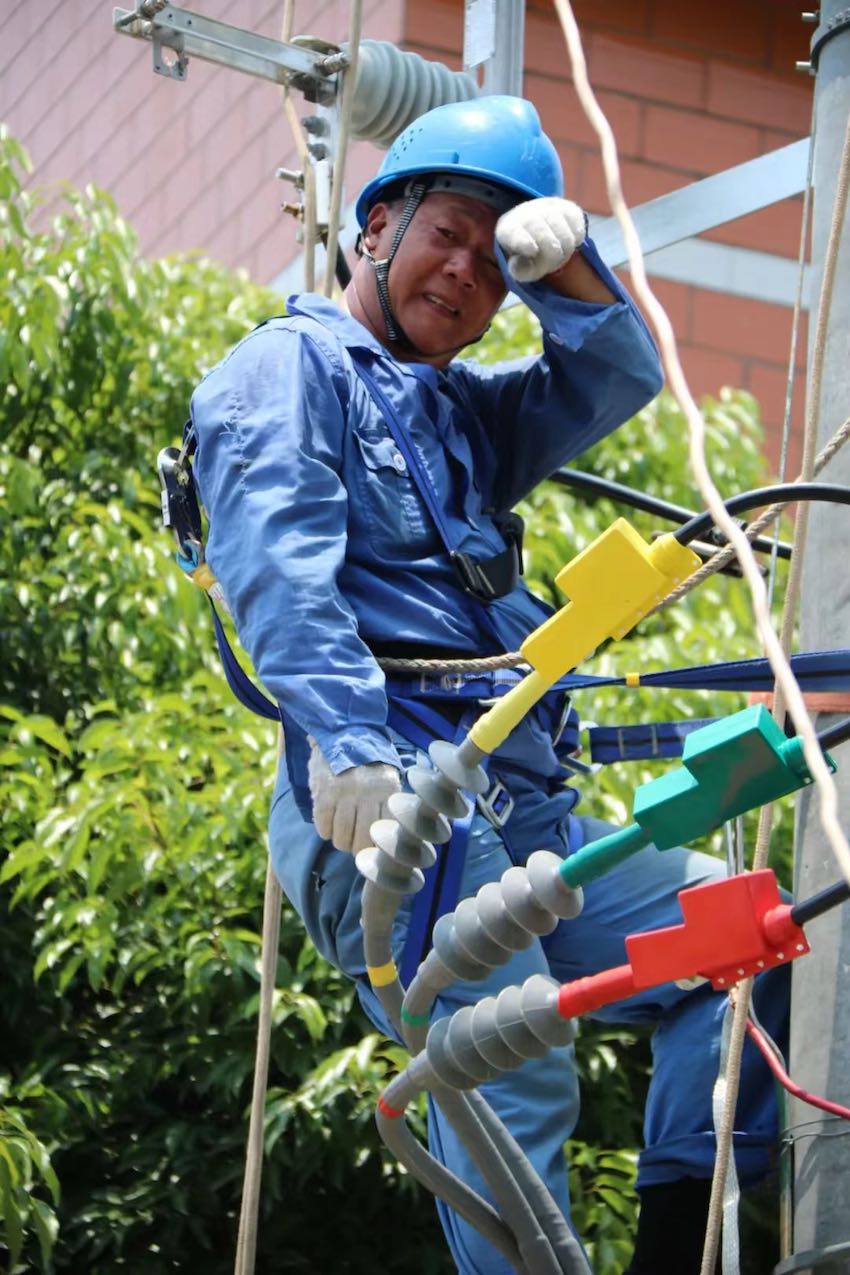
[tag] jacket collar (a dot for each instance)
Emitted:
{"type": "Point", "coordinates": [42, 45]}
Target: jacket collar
{"type": "Point", "coordinates": [350, 333]}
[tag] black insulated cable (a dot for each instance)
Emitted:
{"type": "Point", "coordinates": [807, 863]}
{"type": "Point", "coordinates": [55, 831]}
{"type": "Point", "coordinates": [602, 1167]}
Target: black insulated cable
{"type": "Point", "coordinates": [343, 272]}
{"type": "Point", "coordinates": [834, 735]}
{"type": "Point", "coordinates": [820, 902]}
{"type": "Point", "coordinates": [789, 493]}
{"type": "Point", "coordinates": [593, 485]}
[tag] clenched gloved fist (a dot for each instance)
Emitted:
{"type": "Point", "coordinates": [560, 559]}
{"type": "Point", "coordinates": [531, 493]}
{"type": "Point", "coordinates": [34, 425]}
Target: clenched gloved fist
{"type": "Point", "coordinates": [346, 805]}
{"type": "Point", "coordinates": [539, 236]}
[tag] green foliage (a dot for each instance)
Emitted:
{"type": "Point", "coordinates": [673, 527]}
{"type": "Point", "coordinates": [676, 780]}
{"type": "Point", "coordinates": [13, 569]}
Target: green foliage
{"type": "Point", "coordinates": [133, 800]}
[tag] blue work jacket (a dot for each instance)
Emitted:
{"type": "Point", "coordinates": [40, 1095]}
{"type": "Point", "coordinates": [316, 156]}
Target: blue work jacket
{"type": "Point", "coordinates": [318, 533]}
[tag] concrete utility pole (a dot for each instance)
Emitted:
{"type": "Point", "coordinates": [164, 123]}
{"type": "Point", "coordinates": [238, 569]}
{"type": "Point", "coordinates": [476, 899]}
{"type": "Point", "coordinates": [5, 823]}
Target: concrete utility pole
{"type": "Point", "coordinates": [820, 1031]}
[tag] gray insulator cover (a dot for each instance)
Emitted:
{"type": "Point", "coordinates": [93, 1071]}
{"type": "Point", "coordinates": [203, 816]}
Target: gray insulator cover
{"type": "Point", "coordinates": [418, 820]}
{"type": "Point", "coordinates": [437, 792]}
{"type": "Point", "coordinates": [376, 867]}
{"type": "Point", "coordinates": [446, 757]}
{"type": "Point", "coordinates": [497, 921]}
{"type": "Point", "coordinates": [442, 1063]}
{"type": "Point", "coordinates": [544, 873]}
{"type": "Point", "coordinates": [522, 905]}
{"type": "Point", "coordinates": [452, 955]}
{"type": "Point", "coordinates": [499, 1033]}
{"type": "Point", "coordinates": [473, 939]}
{"type": "Point", "coordinates": [458, 1042]}
{"type": "Point", "coordinates": [393, 88]}
{"type": "Point", "coordinates": [404, 850]}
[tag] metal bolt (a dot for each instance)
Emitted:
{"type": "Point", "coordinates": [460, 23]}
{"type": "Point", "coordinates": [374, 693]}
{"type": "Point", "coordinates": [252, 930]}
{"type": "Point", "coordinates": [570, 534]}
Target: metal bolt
{"type": "Point", "coordinates": [290, 175]}
{"type": "Point", "coordinates": [780, 956]}
{"type": "Point", "coordinates": [330, 65]}
{"type": "Point", "coordinates": [803, 66]}
{"type": "Point", "coordinates": [810, 17]}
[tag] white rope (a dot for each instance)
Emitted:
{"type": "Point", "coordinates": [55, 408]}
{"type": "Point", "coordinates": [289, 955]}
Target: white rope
{"type": "Point", "coordinates": [308, 175]}
{"type": "Point", "coordinates": [349, 82]}
{"type": "Point", "coordinates": [792, 352]}
{"type": "Point", "coordinates": [246, 1244]}
{"type": "Point", "coordinates": [731, 1251]}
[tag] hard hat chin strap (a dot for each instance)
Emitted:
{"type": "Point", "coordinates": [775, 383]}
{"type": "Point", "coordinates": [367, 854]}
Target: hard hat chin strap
{"type": "Point", "coordinates": [416, 192]}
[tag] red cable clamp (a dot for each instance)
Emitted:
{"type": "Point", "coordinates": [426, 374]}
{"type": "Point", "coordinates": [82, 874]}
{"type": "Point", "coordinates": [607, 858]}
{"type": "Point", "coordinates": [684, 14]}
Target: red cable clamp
{"type": "Point", "coordinates": [732, 928]}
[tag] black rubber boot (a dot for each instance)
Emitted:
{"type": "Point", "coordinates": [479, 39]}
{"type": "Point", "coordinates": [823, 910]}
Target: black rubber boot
{"type": "Point", "coordinates": [671, 1228]}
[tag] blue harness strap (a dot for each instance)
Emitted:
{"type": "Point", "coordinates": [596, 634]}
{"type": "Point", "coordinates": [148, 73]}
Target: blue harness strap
{"type": "Point", "coordinates": [642, 742]}
{"type": "Point", "coordinates": [237, 679]}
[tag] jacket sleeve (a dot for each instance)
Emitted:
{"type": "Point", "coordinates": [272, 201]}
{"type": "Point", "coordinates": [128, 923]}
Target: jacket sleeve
{"type": "Point", "coordinates": [598, 367]}
{"type": "Point", "coordinates": [270, 424]}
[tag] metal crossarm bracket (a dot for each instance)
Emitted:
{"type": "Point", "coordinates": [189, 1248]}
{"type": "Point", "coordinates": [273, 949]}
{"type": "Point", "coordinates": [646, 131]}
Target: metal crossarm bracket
{"type": "Point", "coordinates": [708, 203]}
{"type": "Point", "coordinates": [312, 71]}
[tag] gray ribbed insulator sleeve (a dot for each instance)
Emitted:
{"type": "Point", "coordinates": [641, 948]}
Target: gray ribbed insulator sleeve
{"type": "Point", "coordinates": [404, 845]}
{"type": "Point", "coordinates": [502, 918]}
{"type": "Point", "coordinates": [394, 88]}
{"type": "Point", "coordinates": [498, 1033]}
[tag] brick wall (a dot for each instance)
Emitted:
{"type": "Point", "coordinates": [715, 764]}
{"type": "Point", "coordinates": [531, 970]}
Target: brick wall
{"type": "Point", "coordinates": [689, 90]}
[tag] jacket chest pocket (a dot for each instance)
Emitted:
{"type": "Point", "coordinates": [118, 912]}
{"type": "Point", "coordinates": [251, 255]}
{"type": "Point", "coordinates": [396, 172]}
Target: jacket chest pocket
{"type": "Point", "coordinates": [397, 520]}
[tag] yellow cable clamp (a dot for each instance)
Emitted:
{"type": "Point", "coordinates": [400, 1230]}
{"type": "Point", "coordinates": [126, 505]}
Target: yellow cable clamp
{"type": "Point", "coordinates": [611, 585]}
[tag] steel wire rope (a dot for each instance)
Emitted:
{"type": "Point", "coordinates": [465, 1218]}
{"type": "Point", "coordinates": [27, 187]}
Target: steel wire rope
{"type": "Point", "coordinates": [696, 425]}
{"type": "Point", "coordinates": [795, 332]}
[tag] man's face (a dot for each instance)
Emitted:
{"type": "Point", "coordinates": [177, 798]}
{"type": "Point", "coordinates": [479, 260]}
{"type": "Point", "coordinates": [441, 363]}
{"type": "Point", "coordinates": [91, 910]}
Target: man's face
{"type": "Point", "coordinates": [445, 283]}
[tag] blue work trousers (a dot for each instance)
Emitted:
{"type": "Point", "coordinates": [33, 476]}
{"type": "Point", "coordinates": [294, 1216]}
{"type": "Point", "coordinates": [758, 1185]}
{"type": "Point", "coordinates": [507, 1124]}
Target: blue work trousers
{"type": "Point", "coordinates": [539, 1102]}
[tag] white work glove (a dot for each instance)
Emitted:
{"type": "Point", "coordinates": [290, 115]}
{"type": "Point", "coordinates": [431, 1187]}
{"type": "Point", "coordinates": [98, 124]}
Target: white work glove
{"type": "Point", "coordinates": [539, 236]}
{"type": "Point", "coordinates": [346, 805]}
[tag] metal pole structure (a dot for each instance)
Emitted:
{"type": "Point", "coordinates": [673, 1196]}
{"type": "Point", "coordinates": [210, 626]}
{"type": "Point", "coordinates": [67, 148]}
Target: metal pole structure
{"type": "Point", "coordinates": [494, 39]}
{"type": "Point", "coordinates": [820, 1021]}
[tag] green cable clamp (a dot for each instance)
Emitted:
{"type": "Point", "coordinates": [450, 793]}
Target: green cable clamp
{"type": "Point", "coordinates": [728, 767]}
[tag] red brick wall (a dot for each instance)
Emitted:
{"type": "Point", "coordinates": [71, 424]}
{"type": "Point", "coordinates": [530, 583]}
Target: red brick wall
{"type": "Point", "coordinates": [689, 89]}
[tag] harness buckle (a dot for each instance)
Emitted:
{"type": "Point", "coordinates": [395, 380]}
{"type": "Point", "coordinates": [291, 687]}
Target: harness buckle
{"type": "Point", "coordinates": [496, 805]}
{"type": "Point", "coordinates": [473, 580]}
{"type": "Point", "coordinates": [571, 762]}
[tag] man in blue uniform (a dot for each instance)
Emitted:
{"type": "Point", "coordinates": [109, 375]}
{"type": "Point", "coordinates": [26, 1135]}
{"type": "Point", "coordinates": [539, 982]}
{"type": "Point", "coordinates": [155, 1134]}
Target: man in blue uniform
{"type": "Point", "coordinates": [339, 541]}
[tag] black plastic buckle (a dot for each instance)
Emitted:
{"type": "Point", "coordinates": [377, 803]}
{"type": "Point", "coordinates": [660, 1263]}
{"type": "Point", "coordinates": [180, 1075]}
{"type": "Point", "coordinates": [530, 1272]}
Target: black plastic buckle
{"type": "Point", "coordinates": [473, 580]}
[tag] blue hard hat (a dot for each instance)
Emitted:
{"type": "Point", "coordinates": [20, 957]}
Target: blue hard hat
{"type": "Point", "coordinates": [494, 140]}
